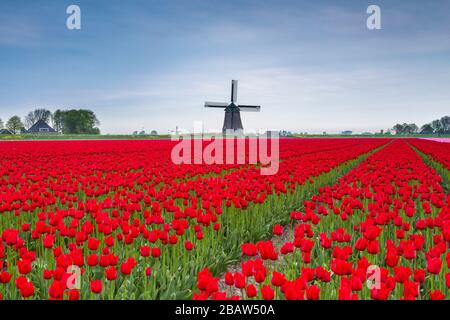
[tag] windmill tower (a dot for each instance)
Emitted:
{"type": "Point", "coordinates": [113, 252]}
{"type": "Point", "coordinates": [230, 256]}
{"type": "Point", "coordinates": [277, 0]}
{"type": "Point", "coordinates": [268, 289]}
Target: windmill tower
{"type": "Point", "coordinates": [232, 119]}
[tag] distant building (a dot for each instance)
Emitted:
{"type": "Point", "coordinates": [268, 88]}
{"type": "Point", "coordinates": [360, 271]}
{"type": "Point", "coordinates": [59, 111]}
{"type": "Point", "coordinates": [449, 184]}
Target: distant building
{"type": "Point", "coordinates": [5, 131]}
{"type": "Point", "coordinates": [347, 132]}
{"type": "Point", "coordinates": [41, 127]}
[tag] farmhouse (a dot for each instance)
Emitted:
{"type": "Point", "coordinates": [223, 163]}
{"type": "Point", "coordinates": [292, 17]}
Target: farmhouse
{"type": "Point", "coordinates": [41, 127]}
{"type": "Point", "coordinates": [5, 131]}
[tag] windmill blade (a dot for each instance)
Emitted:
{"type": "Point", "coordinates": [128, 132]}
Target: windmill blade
{"type": "Point", "coordinates": [216, 104]}
{"type": "Point", "coordinates": [246, 108]}
{"type": "Point", "coordinates": [234, 84]}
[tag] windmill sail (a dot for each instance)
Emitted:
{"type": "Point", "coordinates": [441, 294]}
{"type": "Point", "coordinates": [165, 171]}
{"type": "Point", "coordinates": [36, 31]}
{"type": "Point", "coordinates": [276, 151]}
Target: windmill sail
{"type": "Point", "coordinates": [247, 108]}
{"type": "Point", "coordinates": [234, 84]}
{"type": "Point", "coordinates": [209, 104]}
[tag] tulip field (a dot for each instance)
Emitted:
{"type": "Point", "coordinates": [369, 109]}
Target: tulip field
{"type": "Point", "coordinates": [344, 218]}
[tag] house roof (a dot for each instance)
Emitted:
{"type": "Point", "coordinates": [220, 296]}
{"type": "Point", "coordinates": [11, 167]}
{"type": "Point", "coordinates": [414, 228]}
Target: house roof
{"type": "Point", "coordinates": [38, 126]}
{"type": "Point", "coordinates": [5, 131]}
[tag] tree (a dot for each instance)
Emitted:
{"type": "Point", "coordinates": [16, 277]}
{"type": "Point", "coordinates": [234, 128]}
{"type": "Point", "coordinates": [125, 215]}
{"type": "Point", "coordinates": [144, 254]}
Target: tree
{"type": "Point", "coordinates": [14, 124]}
{"type": "Point", "coordinates": [405, 128]}
{"type": "Point", "coordinates": [79, 122]}
{"type": "Point", "coordinates": [1, 124]}
{"type": "Point", "coordinates": [445, 124]}
{"type": "Point", "coordinates": [410, 128]}
{"type": "Point", "coordinates": [398, 128]}
{"type": "Point", "coordinates": [57, 120]}
{"type": "Point", "coordinates": [36, 115]}
{"type": "Point", "coordinates": [426, 129]}
{"type": "Point", "coordinates": [437, 126]}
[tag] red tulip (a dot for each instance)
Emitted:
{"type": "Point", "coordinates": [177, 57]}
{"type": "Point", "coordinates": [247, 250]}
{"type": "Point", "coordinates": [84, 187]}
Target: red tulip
{"type": "Point", "coordinates": [48, 274]}
{"type": "Point", "coordinates": [5, 277]}
{"type": "Point", "coordinates": [391, 259]}
{"type": "Point", "coordinates": [111, 273]}
{"type": "Point", "coordinates": [188, 245]}
{"type": "Point", "coordinates": [229, 279]}
{"type": "Point", "coordinates": [267, 292]}
{"type": "Point", "coordinates": [92, 260]}
{"type": "Point", "coordinates": [56, 289]}
{"type": "Point", "coordinates": [313, 292]}
{"type": "Point", "coordinates": [434, 265]}
{"type": "Point", "coordinates": [419, 275]}
{"type": "Point", "coordinates": [156, 252]}
{"type": "Point", "coordinates": [145, 251]}
{"type": "Point", "coordinates": [48, 241]}
{"type": "Point", "coordinates": [373, 247]}
{"type": "Point", "coordinates": [239, 280]}
{"type": "Point", "coordinates": [249, 249]}
{"type": "Point", "coordinates": [288, 247]}
{"type": "Point", "coordinates": [361, 244]}
{"type": "Point", "coordinates": [24, 266]}
{"type": "Point", "coordinates": [341, 267]}
{"type": "Point", "coordinates": [356, 283]}
{"type": "Point", "coordinates": [278, 279]}
{"type": "Point", "coordinates": [437, 295]}
{"type": "Point", "coordinates": [93, 244]}
{"type": "Point", "coordinates": [251, 291]}
{"type": "Point", "coordinates": [410, 288]}
{"type": "Point", "coordinates": [74, 294]}
{"type": "Point", "coordinates": [372, 232]}
{"type": "Point", "coordinates": [96, 286]}
{"type": "Point", "coordinates": [402, 274]}
{"type": "Point", "coordinates": [277, 230]}
{"type": "Point", "coordinates": [27, 289]}
{"type": "Point", "coordinates": [447, 280]}
{"type": "Point", "coordinates": [260, 276]}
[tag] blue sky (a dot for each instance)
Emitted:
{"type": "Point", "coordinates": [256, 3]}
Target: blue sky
{"type": "Point", "coordinates": [312, 65]}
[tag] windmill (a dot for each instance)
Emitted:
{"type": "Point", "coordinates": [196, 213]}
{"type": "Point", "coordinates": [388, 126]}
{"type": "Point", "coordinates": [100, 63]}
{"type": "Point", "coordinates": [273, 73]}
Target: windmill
{"type": "Point", "coordinates": [232, 119]}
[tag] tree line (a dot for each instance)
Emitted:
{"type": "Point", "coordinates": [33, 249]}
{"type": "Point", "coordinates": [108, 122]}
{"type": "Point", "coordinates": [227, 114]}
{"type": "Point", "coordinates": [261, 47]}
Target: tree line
{"type": "Point", "coordinates": [438, 126]}
{"type": "Point", "coordinates": [74, 121]}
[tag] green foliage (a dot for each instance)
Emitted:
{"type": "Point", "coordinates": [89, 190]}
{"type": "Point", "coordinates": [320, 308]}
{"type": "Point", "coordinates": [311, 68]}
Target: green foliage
{"type": "Point", "coordinates": [438, 126]}
{"type": "Point", "coordinates": [14, 124]}
{"type": "Point", "coordinates": [440, 169]}
{"type": "Point", "coordinates": [76, 121]}
{"type": "Point", "coordinates": [57, 119]}
{"type": "Point", "coordinates": [406, 128]}
{"type": "Point", "coordinates": [426, 129]}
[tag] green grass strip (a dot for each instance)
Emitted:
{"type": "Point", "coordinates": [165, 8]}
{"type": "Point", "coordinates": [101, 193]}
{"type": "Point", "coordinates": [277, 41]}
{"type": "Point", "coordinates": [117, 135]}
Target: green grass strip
{"type": "Point", "coordinates": [440, 169]}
